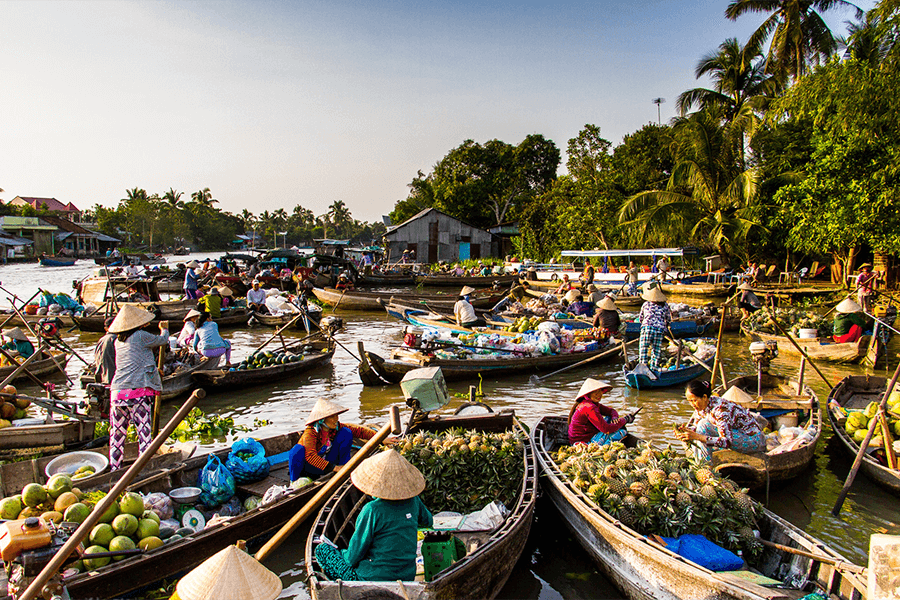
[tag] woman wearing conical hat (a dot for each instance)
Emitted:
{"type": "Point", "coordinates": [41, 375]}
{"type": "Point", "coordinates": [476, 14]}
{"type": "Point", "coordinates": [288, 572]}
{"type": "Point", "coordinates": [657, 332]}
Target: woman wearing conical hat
{"type": "Point", "coordinates": [865, 286]}
{"type": "Point", "coordinates": [18, 342]}
{"type": "Point", "coordinates": [191, 280]}
{"type": "Point", "coordinates": [383, 546]}
{"type": "Point", "coordinates": [749, 302]}
{"type": "Point", "coordinates": [607, 316]}
{"type": "Point", "coordinates": [591, 421]}
{"type": "Point", "coordinates": [325, 442]}
{"type": "Point", "coordinates": [849, 321]}
{"type": "Point", "coordinates": [655, 317]}
{"type": "Point", "coordinates": [464, 311]}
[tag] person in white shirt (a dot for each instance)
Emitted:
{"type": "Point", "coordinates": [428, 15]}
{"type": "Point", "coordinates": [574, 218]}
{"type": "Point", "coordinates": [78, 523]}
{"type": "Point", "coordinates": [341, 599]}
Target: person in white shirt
{"type": "Point", "coordinates": [464, 311]}
{"type": "Point", "coordinates": [256, 298]}
{"type": "Point", "coordinates": [663, 266]}
{"type": "Point", "coordinates": [132, 271]}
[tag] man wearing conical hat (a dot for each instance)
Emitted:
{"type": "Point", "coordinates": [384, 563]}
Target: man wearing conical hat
{"type": "Point", "coordinates": [325, 443]}
{"type": "Point", "coordinates": [18, 342]}
{"type": "Point", "coordinates": [191, 280]}
{"type": "Point", "coordinates": [865, 286]}
{"type": "Point", "coordinates": [849, 321]}
{"type": "Point", "coordinates": [383, 546]}
{"type": "Point", "coordinates": [607, 316]}
{"type": "Point", "coordinates": [464, 311]}
{"type": "Point", "coordinates": [654, 317]}
{"type": "Point", "coordinates": [749, 302]}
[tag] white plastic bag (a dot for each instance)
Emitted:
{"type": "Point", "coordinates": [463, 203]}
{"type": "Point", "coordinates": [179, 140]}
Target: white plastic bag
{"type": "Point", "coordinates": [491, 516]}
{"type": "Point", "coordinates": [274, 493]}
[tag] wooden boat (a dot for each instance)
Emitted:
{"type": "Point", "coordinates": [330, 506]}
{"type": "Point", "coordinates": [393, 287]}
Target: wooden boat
{"type": "Point", "coordinates": [134, 572]}
{"type": "Point", "coordinates": [313, 353]}
{"type": "Point", "coordinates": [686, 371]}
{"type": "Point", "coordinates": [491, 555]}
{"type": "Point", "coordinates": [682, 328]}
{"type": "Point", "coordinates": [645, 570]}
{"type": "Point", "coordinates": [818, 348]}
{"type": "Point", "coordinates": [407, 278]}
{"type": "Point", "coordinates": [15, 319]}
{"type": "Point", "coordinates": [314, 314]}
{"type": "Point", "coordinates": [855, 392]}
{"type": "Point", "coordinates": [174, 385]}
{"type": "Point", "coordinates": [475, 281]}
{"type": "Point", "coordinates": [356, 300]}
{"type": "Point", "coordinates": [779, 394]}
{"type": "Point", "coordinates": [57, 433]}
{"type": "Point", "coordinates": [231, 317]}
{"type": "Point", "coordinates": [56, 261]}
{"type": "Point", "coordinates": [48, 364]}
{"type": "Point", "coordinates": [375, 370]}
{"type": "Point", "coordinates": [621, 301]}
{"type": "Point", "coordinates": [698, 290]}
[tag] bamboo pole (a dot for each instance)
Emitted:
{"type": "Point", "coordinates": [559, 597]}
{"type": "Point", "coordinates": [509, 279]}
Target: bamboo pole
{"type": "Point", "coordinates": [393, 426]}
{"type": "Point", "coordinates": [10, 317]}
{"type": "Point", "coordinates": [797, 346]}
{"type": "Point", "coordinates": [85, 528]}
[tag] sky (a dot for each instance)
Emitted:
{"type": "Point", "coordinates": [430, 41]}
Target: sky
{"type": "Point", "coordinates": [274, 104]}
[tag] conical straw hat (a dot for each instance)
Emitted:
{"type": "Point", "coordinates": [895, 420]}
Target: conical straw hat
{"type": "Point", "coordinates": [191, 314]}
{"type": "Point", "coordinates": [466, 291]}
{"type": "Point", "coordinates": [226, 291]}
{"type": "Point", "coordinates": [607, 304]}
{"type": "Point", "coordinates": [737, 395]}
{"type": "Point", "coordinates": [192, 265]}
{"type": "Point", "coordinates": [571, 295]}
{"type": "Point", "coordinates": [654, 295]}
{"type": "Point", "coordinates": [744, 286]}
{"type": "Point", "coordinates": [232, 574]}
{"type": "Point", "coordinates": [389, 476]}
{"type": "Point", "coordinates": [590, 385]}
{"type": "Point", "coordinates": [848, 306]}
{"type": "Point", "coordinates": [324, 409]}
{"type": "Point", "coordinates": [16, 333]}
{"type": "Point", "coordinates": [130, 317]}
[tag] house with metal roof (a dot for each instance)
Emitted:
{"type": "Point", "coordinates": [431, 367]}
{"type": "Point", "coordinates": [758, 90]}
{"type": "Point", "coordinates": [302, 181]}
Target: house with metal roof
{"type": "Point", "coordinates": [39, 232]}
{"type": "Point", "coordinates": [67, 211]}
{"type": "Point", "coordinates": [435, 236]}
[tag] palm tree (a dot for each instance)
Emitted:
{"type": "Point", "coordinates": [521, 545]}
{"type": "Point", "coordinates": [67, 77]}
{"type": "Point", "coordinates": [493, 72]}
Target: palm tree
{"type": "Point", "coordinates": [868, 39]}
{"type": "Point", "coordinates": [339, 215]}
{"type": "Point", "coordinates": [799, 35]}
{"type": "Point", "coordinates": [174, 198]}
{"type": "Point", "coordinates": [204, 197]}
{"type": "Point", "coordinates": [708, 198]}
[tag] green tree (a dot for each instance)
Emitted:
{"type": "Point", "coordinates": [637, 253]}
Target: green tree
{"type": "Point", "coordinates": [339, 216]}
{"type": "Point", "coordinates": [643, 161]}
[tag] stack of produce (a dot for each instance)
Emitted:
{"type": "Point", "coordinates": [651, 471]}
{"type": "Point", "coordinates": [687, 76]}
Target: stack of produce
{"type": "Point", "coordinates": [659, 492]}
{"type": "Point", "coordinates": [12, 409]}
{"type": "Point", "coordinates": [523, 324]}
{"type": "Point", "coordinates": [261, 360]}
{"type": "Point", "coordinates": [858, 422]}
{"type": "Point", "coordinates": [701, 350]}
{"type": "Point", "coordinates": [183, 358]}
{"type": "Point", "coordinates": [790, 319]}
{"type": "Point", "coordinates": [465, 470]}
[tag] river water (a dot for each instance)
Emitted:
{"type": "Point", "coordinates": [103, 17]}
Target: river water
{"type": "Point", "coordinates": [553, 566]}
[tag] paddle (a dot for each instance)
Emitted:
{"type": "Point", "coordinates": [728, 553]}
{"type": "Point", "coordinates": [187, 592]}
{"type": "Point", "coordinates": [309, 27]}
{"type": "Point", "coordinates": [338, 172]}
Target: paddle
{"type": "Point", "coordinates": [338, 303]}
{"type": "Point", "coordinates": [10, 317]}
{"type": "Point", "coordinates": [88, 524]}
{"type": "Point", "coordinates": [157, 399]}
{"type": "Point", "coordinates": [716, 362]}
{"type": "Point", "coordinates": [329, 488]}
{"type": "Point", "coordinates": [839, 565]}
{"type": "Point", "coordinates": [276, 334]}
{"type": "Point", "coordinates": [802, 352]}
{"type": "Point", "coordinates": [690, 356]}
{"type": "Point", "coordinates": [610, 352]}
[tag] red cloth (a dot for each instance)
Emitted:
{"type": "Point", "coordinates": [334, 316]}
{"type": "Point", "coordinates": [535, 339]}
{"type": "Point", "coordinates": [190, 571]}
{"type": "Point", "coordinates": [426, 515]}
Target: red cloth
{"type": "Point", "coordinates": [588, 419]}
{"type": "Point", "coordinates": [851, 336]}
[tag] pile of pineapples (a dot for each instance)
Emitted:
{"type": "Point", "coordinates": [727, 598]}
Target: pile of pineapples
{"type": "Point", "coordinates": [658, 491]}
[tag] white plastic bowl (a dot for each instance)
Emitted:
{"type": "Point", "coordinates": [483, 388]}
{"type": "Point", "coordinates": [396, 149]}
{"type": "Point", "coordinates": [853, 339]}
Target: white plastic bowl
{"type": "Point", "coordinates": [808, 334]}
{"type": "Point", "coordinates": [72, 461]}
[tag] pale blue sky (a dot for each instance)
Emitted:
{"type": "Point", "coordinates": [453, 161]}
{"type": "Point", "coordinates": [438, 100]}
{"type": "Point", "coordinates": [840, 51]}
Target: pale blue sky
{"type": "Point", "coordinates": [271, 104]}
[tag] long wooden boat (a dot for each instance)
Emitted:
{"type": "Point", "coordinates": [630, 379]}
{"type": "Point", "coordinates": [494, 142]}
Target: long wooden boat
{"type": "Point", "coordinates": [313, 354]}
{"type": "Point", "coordinates": [646, 570]}
{"type": "Point", "coordinates": [476, 281]}
{"type": "Point", "coordinates": [278, 321]}
{"type": "Point", "coordinates": [779, 396]}
{"type": "Point", "coordinates": [491, 555]}
{"type": "Point", "coordinates": [621, 301]}
{"type": "Point", "coordinates": [407, 278]}
{"type": "Point", "coordinates": [855, 392]}
{"type": "Point", "coordinates": [375, 370]}
{"type": "Point", "coordinates": [48, 364]}
{"type": "Point", "coordinates": [698, 290]}
{"type": "Point", "coordinates": [174, 385]}
{"type": "Point", "coordinates": [231, 317]}
{"type": "Point", "coordinates": [356, 300]}
{"type": "Point", "coordinates": [818, 348]}
{"type": "Point", "coordinates": [57, 261]}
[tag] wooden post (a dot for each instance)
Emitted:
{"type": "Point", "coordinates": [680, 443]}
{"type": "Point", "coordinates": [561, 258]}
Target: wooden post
{"type": "Point", "coordinates": [801, 375]}
{"type": "Point", "coordinates": [888, 440]}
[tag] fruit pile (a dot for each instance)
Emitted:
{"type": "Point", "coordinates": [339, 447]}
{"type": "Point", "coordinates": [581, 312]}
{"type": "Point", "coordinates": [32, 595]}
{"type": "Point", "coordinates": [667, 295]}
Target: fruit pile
{"type": "Point", "coordinates": [465, 469]}
{"type": "Point", "coordinates": [790, 319]}
{"type": "Point", "coordinates": [524, 323]}
{"type": "Point", "coordinates": [261, 360]}
{"type": "Point", "coordinates": [659, 492]}
{"type": "Point", "coordinates": [858, 422]}
{"type": "Point", "coordinates": [12, 409]}
{"type": "Point", "coordinates": [590, 333]}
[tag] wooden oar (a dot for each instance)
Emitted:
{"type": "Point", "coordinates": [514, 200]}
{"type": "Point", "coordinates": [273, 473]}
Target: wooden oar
{"type": "Point", "coordinates": [157, 400]}
{"type": "Point", "coordinates": [276, 334]}
{"type": "Point", "coordinates": [723, 314]}
{"type": "Point", "coordinates": [837, 564]}
{"type": "Point", "coordinates": [610, 352]}
{"type": "Point", "coordinates": [864, 446]}
{"type": "Point", "coordinates": [334, 310]}
{"type": "Point", "coordinates": [10, 317]}
{"type": "Point", "coordinates": [802, 352]}
{"type": "Point", "coordinates": [393, 426]}
{"type": "Point", "coordinates": [62, 555]}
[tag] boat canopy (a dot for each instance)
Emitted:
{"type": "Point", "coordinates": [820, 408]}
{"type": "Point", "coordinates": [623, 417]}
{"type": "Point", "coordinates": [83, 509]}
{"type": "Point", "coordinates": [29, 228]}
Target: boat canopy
{"type": "Point", "coordinates": [622, 253]}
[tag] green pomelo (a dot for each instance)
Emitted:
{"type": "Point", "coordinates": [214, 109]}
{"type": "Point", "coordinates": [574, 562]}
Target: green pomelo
{"type": "Point", "coordinates": [95, 563]}
{"type": "Point", "coordinates": [58, 485]}
{"type": "Point", "coordinates": [77, 513]}
{"type": "Point", "coordinates": [10, 508]}
{"type": "Point", "coordinates": [150, 514]}
{"type": "Point", "coordinates": [29, 511]}
{"type": "Point", "coordinates": [102, 534]}
{"type": "Point", "coordinates": [147, 528]}
{"type": "Point", "coordinates": [125, 524]}
{"type": "Point", "coordinates": [33, 494]}
{"type": "Point", "coordinates": [53, 516]}
{"type": "Point", "coordinates": [132, 504]}
{"type": "Point", "coordinates": [110, 513]}
{"type": "Point", "coordinates": [859, 435]}
{"type": "Point", "coordinates": [149, 543]}
{"type": "Point", "coordinates": [64, 501]}
{"type": "Point", "coordinates": [121, 542]}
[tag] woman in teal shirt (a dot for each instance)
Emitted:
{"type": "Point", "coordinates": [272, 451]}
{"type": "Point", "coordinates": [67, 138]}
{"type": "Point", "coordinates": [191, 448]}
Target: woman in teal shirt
{"type": "Point", "coordinates": [383, 546]}
{"type": "Point", "coordinates": [18, 342]}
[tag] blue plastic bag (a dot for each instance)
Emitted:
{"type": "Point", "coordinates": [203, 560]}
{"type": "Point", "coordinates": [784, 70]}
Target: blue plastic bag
{"type": "Point", "coordinates": [216, 482]}
{"type": "Point", "coordinates": [247, 470]}
{"type": "Point", "coordinates": [699, 549]}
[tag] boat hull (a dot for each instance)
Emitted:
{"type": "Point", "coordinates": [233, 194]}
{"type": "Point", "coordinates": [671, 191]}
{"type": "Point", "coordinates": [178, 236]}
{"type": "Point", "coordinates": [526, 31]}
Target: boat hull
{"type": "Point", "coordinates": [851, 352]}
{"type": "Point", "coordinates": [223, 378]}
{"type": "Point", "coordinates": [664, 378]}
{"type": "Point", "coordinates": [54, 362]}
{"type": "Point", "coordinates": [57, 262]}
{"type": "Point", "coordinates": [365, 301]}
{"type": "Point", "coordinates": [473, 281]}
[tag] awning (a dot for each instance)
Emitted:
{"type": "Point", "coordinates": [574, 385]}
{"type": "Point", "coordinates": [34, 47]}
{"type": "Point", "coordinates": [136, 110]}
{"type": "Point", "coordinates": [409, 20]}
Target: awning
{"type": "Point", "coordinates": [106, 238]}
{"type": "Point", "coordinates": [63, 235]}
{"type": "Point", "coordinates": [625, 253]}
{"type": "Point", "coordinates": [11, 240]}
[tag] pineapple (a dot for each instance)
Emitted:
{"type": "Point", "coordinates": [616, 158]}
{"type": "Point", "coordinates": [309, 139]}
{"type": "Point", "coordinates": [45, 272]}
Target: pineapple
{"type": "Point", "coordinates": [609, 471]}
{"type": "Point", "coordinates": [708, 492]}
{"type": "Point", "coordinates": [744, 502]}
{"type": "Point", "coordinates": [655, 476]}
{"type": "Point", "coordinates": [674, 478]}
{"type": "Point", "coordinates": [637, 488]}
{"type": "Point", "coordinates": [746, 533]}
{"type": "Point", "coordinates": [597, 488]}
{"type": "Point", "coordinates": [630, 500]}
{"type": "Point", "coordinates": [617, 487]}
{"type": "Point", "coordinates": [626, 516]}
{"type": "Point", "coordinates": [643, 501]}
{"type": "Point", "coordinates": [683, 499]}
{"type": "Point", "coordinates": [703, 475]}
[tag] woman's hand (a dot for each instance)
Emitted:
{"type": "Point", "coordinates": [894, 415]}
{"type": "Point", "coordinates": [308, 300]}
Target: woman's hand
{"type": "Point", "coordinates": [686, 435]}
{"type": "Point", "coordinates": [163, 325]}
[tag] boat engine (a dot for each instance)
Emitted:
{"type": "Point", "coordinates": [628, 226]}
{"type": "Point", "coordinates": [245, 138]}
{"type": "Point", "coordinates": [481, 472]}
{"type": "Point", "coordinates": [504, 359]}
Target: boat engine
{"type": "Point", "coordinates": [28, 545]}
{"type": "Point", "coordinates": [763, 353]}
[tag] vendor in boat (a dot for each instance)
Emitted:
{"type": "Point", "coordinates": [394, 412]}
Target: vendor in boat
{"type": "Point", "coordinates": [343, 283]}
{"type": "Point", "coordinates": [531, 274]}
{"type": "Point", "coordinates": [105, 355]}
{"type": "Point", "coordinates": [325, 442]}
{"type": "Point", "coordinates": [865, 286]}
{"type": "Point", "coordinates": [654, 317]}
{"type": "Point", "coordinates": [749, 302]}
{"type": "Point", "coordinates": [137, 380]}
{"type": "Point", "coordinates": [591, 421]}
{"type": "Point", "coordinates": [18, 343]}
{"type": "Point", "coordinates": [587, 276]}
{"type": "Point", "coordinates": [191, 280]}
{"type": "Point", "coordinates": [580, 308]}
{"type": "Point", "coordinates": [594, 295]}
{"type": "Point", "coordinates": [564, 286]}
{"type": "Point", "coordinates": [719, 423]}
{"type": "Point", "coordinates": [186, 336]}
{"type": "Point", "coordinates": [662, 265]}
{"type": "Point", "coordinates": [464, 311]}
{"type": "Point", "coordinates": [632, 278]}
{"type": "Point", "coordinates": [849, 322]}
{"type": "Point", "coordinates": [607, 316]}
{"type": "Point", "coordinates": [256, 297]}
{"type": "Point", "coordinates": [211, 303]}
{"type": "Point", "coordinates": [209, 343]}
{"type": "Point", "coordinates": [383, 545]}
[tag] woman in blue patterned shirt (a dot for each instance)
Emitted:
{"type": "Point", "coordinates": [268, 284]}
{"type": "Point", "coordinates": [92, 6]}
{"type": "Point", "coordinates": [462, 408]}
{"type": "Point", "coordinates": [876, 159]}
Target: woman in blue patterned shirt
{"type": "Point", "coordinates": [655, 317]}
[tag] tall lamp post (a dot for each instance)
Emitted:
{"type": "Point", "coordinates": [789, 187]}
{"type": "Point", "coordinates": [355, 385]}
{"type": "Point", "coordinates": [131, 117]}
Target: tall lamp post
{"type": "Point", "coordinates": [657, 102]}
{"type": "Point", "coordinates": [283, 235]}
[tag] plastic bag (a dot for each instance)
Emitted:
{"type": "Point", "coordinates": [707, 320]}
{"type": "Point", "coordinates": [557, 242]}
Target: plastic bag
{"type": "Point", "coordinates": [491, 516]}
{"type": "Point", "coordinates": [161, 504]}
{"type": "Point", "coordinates": [216, 482]}
{"type": "Point", "coordinates": [247, 461]}
{"type": "Point", "coordinates": [274, 493]}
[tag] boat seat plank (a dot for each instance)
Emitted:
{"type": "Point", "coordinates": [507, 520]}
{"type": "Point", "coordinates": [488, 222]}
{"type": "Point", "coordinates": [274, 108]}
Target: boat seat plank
{"type": "Point", "coordinates": [758, 590]}
{"type": "Point", "coordinates": [278, 476]}
{"type": "Point", "coordinates": [797, 403]}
